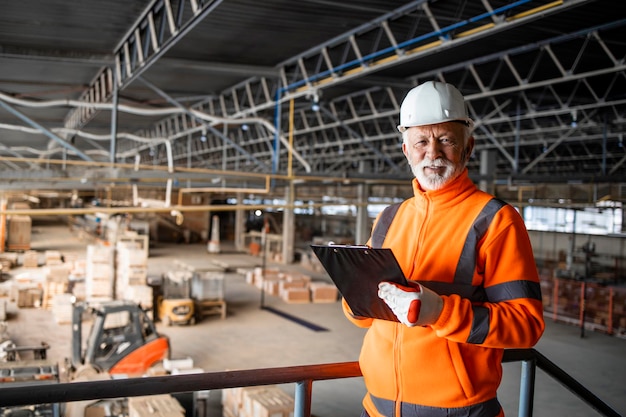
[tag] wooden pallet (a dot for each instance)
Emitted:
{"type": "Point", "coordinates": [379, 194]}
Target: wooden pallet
{"type": "Point", "coordinates": [209, 307]}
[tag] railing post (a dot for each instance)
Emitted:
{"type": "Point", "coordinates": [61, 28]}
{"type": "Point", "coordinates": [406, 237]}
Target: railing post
{"type": "Point", "coordinates": [302, 401]}
{"type": "Point", "coordinates": [527, 388]}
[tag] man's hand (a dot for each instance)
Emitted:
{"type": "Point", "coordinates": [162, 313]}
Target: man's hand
{"type": "Point", "coordinates": [414, 305]}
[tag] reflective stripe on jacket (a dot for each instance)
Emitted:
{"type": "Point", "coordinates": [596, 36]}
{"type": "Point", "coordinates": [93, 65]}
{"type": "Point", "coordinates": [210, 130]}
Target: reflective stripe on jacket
{"type": "Point", "coordinates": [475, 252]}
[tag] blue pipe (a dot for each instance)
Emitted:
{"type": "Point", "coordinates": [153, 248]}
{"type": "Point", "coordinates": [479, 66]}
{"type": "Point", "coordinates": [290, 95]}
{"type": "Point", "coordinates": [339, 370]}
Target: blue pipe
{"type": "Point", "coordinates": [410, 42]}
{"type": "Point", "coordinates": [369, 57]}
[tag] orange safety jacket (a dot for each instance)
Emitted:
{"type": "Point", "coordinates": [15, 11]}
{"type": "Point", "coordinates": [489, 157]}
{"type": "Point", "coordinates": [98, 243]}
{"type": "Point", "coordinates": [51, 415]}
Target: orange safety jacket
{"type": "Point", "coordinates": [475, 252]}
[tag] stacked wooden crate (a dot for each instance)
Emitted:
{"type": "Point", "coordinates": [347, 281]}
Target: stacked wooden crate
{"type": "Point", "coordinates": [132, 272]}
{"type": "Point", "coordinates": [62, 307]}
{"type": "Point", "coordinates": [135, 240]}
{"type": "Point", "coordinates": [262, 401]}
{"type": "Point", "coordinates": [56, 282]}
{"type": "Point", "coordinates": [19, 233]}
{"type": "Point", "coordinates": [258, 276]}
{"type": "Point", "coordinates": [30, 259]}
{"type": "Point", "coordinates": [7, 261]}
{"type": "Point", "coordinates": [57, 279]}
{"type": "Point", "coordinates": [53, 257]}
{"type": "Point", "coordinates": [162, 405]}
{"type": "Point", "coordinates": [269, 280]}
{"type": "Point", "coordinates": [99, 273]}
{"type": "Point", "coordinates": [26, 292]}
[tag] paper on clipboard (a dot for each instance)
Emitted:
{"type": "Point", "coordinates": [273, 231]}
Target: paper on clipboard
{"type": "Point", "coordinates": [356, 271]}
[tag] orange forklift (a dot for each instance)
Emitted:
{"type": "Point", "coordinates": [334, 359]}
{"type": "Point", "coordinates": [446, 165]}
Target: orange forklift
{"type": "Point", "coordinates": [123, 340]}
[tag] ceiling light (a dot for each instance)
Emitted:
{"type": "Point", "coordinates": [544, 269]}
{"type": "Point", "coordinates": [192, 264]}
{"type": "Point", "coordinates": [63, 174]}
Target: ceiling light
{"type": "Point", "coordinates": [315, 106]}
{"type": "Point", "coordinates": [203, 136]}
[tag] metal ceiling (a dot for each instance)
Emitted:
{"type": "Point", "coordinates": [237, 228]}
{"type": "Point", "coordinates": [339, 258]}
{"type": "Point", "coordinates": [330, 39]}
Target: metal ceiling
{"type": "Point", "coordinates": [231, 85]}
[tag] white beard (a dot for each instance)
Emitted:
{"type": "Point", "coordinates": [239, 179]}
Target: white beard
{"type": "Point", "coordinates": [436, 181]}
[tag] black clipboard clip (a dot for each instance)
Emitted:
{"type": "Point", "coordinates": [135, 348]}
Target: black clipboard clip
{"type": "Point", "coordinates": [347, 246]}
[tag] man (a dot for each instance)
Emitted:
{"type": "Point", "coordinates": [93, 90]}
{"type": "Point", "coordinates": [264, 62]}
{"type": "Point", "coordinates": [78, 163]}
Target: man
{"type": "Point", "coordinates": [473, 284]}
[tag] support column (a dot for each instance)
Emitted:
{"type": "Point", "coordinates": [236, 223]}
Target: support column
{"type": "Point", "coordinates": [487, 169]}
{"type": "Point", "coordinates": [363, 226]}
{"type": "Point", "coordinates": [240, 225]}
{"type": "Point", "coordinates": [289, 220]}
{"type": "Point", "coordinates": [115, 102]}
{"type": "Point", "coordinates": [3, 223]}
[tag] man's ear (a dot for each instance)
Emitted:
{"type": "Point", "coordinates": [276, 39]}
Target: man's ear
{"type": "Point", "coordinates": [469, 148]}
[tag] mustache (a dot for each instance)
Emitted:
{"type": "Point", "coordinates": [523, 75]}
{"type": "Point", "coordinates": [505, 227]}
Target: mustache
{"type": "Point", "coordinates": [436, 163]}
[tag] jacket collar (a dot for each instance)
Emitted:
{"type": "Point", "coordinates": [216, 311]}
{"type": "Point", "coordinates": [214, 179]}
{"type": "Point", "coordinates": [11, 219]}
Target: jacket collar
{"type": "Point", "coordinates": [453, 193]}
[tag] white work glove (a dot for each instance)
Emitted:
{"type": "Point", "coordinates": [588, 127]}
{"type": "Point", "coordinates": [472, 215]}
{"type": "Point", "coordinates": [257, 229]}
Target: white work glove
{"type": "Point", "coordinates": [414, 305]}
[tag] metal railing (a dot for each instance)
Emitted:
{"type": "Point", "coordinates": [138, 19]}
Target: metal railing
{"type": "Point", "coordinates": [302, 376]}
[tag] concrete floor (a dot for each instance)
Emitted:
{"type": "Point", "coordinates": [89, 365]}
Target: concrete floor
{"type": "Point", "coordinates": [252, 338]}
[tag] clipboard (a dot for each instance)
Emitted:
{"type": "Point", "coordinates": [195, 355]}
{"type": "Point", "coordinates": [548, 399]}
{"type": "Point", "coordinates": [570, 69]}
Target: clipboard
{"type": "Point", "coordinates": [356, 272]}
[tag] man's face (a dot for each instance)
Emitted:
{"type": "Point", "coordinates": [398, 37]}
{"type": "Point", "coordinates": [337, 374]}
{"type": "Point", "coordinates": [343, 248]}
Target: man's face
{"type": "Point", "coordinates": [437, 153]}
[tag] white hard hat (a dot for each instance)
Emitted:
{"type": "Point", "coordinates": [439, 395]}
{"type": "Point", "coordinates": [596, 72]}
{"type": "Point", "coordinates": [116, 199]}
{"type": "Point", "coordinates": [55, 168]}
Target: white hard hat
{"type": "Point", "coordinates": [433, 102]}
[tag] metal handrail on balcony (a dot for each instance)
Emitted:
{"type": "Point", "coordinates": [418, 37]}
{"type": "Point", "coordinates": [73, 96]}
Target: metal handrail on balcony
{"type": "Point", "coordinates": [302, 376]}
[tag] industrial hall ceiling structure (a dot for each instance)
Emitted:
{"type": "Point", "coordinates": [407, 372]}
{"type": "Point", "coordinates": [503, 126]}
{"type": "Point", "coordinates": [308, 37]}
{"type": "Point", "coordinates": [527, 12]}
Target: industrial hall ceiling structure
{"type": "Point", "coordinates": [189, 92]}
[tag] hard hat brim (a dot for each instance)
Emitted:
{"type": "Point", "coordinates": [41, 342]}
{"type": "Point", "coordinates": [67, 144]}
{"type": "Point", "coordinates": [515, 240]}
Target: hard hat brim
{"type": "Point", "coordinates": [467, 122]}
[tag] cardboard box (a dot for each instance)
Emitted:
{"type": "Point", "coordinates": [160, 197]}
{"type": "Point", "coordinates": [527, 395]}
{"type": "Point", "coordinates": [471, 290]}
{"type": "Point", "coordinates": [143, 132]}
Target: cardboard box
{"type": "Point", "coordinates": [322, 292]}
{"type": "Point", "coordinates": [296, 295]}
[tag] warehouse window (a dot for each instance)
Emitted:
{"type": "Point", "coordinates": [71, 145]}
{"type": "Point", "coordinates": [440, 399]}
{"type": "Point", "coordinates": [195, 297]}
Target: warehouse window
{"type": "Point", "coordinates": [591, 220]}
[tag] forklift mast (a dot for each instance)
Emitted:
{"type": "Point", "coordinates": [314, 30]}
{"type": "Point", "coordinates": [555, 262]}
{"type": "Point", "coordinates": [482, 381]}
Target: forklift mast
{"type": "Point", "coordinates": [77, 334]}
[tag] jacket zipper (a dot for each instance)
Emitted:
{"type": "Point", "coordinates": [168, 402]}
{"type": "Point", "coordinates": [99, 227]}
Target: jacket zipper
{"type": "Point", "coordinates": [399, 329]}
{"type": "Point", "coordinates": [397, 344]}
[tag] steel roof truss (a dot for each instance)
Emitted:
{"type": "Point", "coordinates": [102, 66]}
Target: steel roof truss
{"type": "Point", "coordinates": [140, 48]}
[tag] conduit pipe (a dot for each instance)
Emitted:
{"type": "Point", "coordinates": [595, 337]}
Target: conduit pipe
{"type": "Point", "coordinates": [139, 111]}
{"type": "Point", "coordinates": [167, 97]}
{"type": "Point", "coordinates": [43, 130]}
{"type": "Point", "coordinates": [49, 152]}
{"type": "Point", "coordinates": [164, 141]}
{"type": "Point", "coordinates": [167, 111]}
{"type": "Point", "coordinates": [237, 174]}
{"type": "Point", "coordinates": [86, 135]}
{"type": "Point", "coordinates": [271, 128]}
